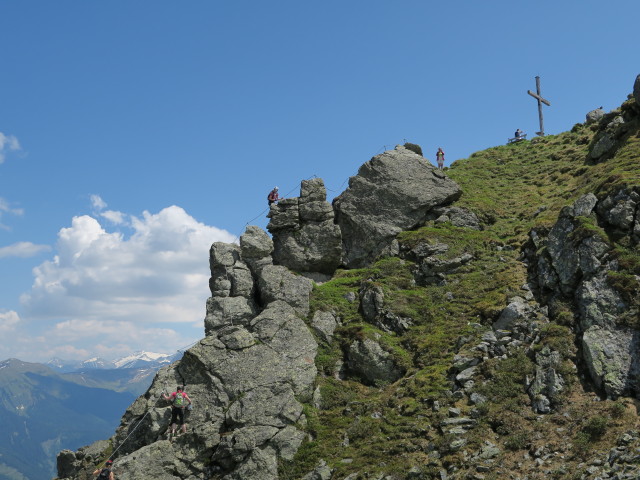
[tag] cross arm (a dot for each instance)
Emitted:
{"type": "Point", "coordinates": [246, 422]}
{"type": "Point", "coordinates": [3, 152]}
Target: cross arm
{"type": "Point", "coordinates": [538, 97]}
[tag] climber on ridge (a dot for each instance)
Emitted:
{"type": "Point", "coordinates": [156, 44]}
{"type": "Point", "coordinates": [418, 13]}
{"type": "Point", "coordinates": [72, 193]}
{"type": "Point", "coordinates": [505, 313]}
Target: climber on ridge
{"type": "Point", "coordinates": [105, 473]}
{"type": "Point", "coordinates": [179, 401]}
{"type": "Point", "coordinates": [440, 158]}
{"type": "Point", "coordinates": [273, 196]}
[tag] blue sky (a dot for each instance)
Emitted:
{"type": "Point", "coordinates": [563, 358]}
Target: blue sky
{"type": "Point", "coordinates": [135, 134]}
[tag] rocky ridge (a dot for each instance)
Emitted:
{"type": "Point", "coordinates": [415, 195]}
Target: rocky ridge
{"type": "Point", "coordinates": [490, 343]}
{"type": "Point", "coordinates": [255, 366]}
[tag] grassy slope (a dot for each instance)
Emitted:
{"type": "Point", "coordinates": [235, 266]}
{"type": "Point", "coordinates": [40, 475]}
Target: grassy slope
{"type": "Point", "coordinates": [513, 189]}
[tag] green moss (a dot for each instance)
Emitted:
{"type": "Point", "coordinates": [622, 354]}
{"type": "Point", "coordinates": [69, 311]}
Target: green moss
{"type": "Point", "coordinates": [595, 427]}
{"type": "Point", "coordinates": [559, 338]}
{"type": "Point", "coordinates": [506, 378]}
{"type": "Point", "coordinates": [587, 228]}
{"type": "Point", "coordinates": [518, 441]}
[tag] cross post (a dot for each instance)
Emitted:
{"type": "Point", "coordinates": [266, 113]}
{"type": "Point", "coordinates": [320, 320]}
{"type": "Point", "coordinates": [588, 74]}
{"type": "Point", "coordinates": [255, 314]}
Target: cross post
{"type": "Point", "coordinates": [540, 100]}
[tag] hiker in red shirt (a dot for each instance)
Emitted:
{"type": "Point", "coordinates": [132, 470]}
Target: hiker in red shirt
{"type": "Point", "coordinates": [179, 402]}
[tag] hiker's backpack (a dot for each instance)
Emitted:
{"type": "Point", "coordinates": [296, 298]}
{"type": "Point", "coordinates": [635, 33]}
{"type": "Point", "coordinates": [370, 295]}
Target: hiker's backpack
{"type": "Point", "coordinates": [104, 474]}
{"type": "Point", "coordinates": [178, 401]}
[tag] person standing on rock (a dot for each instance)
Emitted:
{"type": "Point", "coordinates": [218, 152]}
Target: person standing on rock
{"type": "Point", "coordinates": [105, 473]}
{"type": "Point", "coordinates": [440, 158]}
{"type": "Point", "coordinates": [273, 196]}
{"type": "Point", "coordinates": [179, 402]}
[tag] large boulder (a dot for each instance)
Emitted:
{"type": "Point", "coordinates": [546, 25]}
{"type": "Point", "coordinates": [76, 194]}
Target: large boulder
{"type": "Point", "coordinates": [305, 237]}
{"type": "Point", "coordinates": [611, 355]}
{"type": "Point", "coordinates": [595, 116]}
{"type": "Point", "coordinates": [392, 192]}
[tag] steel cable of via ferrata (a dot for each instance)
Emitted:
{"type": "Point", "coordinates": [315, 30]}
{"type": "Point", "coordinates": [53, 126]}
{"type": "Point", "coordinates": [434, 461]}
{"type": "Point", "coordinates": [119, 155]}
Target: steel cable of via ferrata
{"type": "Point", "coordinates": [237, 237]}
{"type": "Point", "coordinates": [180, 350]}
{"type": "Point", "coordinates": [130, 433]}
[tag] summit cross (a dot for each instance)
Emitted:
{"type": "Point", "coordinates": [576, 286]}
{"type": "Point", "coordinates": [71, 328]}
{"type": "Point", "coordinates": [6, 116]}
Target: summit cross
{"type": "Point", "coordinates": [540, 100]}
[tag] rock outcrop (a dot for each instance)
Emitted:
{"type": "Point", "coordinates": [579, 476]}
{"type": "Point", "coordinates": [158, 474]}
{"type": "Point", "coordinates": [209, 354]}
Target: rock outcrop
{"type": "Point", "coordinates": [246, 378]}
{"type": "Point", "coordinates": [615, 127]}
{"type": "Point", "coordinates": [577, 263]}
{"type": "Point", "coordinates": [249, 374]}
{"type": "Point", "coordinates": [392, 192]}
{"type": "Point", "coordinates": [304, 235]}
{"type": "Point", "coordinates": [595, 116]}
{"type": "Point", "coordinates": [434, 360]}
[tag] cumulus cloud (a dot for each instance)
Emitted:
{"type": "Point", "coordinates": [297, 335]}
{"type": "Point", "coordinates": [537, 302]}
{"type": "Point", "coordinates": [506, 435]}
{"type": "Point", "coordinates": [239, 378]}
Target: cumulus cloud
{"type": "Point", "coordinates": [23, 250]}
{"type": "Point", "coordinates": [8, 321]}
{"type": "Point", "coordinates": [144, 290]}
{"type": "Point", "coordinates": [80, 339]}
{"type": "Point", "coordinates": [7, 143]}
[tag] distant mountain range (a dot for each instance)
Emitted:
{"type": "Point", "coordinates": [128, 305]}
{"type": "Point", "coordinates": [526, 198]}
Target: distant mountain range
{"type": "Point", "coordinates": [48, 407]}
{"type": "Point", "coordinates": [135, 360]}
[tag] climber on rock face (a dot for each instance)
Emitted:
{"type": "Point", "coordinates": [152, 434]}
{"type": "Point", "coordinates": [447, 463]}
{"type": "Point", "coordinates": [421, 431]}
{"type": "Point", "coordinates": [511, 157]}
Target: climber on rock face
{"type": "Point", "coordinates": [179, 402]}
{"type": "Point", "coordinates": [273, 196]}
{"type": "Point", "coordinates": [105, 473]}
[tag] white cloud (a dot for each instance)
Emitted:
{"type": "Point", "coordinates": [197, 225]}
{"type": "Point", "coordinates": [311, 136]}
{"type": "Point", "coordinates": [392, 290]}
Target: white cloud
{"type": "Point", "coordinates": [8, 321]}
{"type": "Point", "coordinates": [7, 143]}
{"type": "Point", "coordinates": [23, 250]}
{"type": "Point", "coordinates": [117, 218]}
{"type": "Point", "coordinates": [142, 291]}
{"type": "Point", "coordinates": [97, 202]}
{"type": "Point", "coordinates": [6, 208]}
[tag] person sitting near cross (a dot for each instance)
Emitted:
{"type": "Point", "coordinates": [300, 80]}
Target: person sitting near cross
{"type": "Point", "coordinates": [519, 134]}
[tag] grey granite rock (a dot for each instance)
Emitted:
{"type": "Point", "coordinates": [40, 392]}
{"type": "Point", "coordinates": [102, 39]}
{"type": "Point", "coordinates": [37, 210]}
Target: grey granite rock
{"type": "Point", "coordinates": [369, 361]}
{"type": "Point", "coordinates": [595, 116]}
{"type": "Point", "coordinates": [276, 282]}
{"type": "Point", "coordinates": [305, 237]}
{"type": "Point", "coordinates": [324, 324]}
{"type": "Point", "coordinates": [392, 192]}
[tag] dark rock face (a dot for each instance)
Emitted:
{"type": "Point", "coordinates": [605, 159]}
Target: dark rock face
{"type": "Point", "coordinates": [575, 266]}
{"type": "Point", "coordinates": [392, 192]}
{"type": "Point", "coordinates": [374, 311]}
{"type": "Point", "coordinates": [304, 235]}
{"type": "Point", "coordinates": [548, 384]}
{"type": "Point", "coordinates": [615, 127]}
{"type": "Point", "coordinates": [432, 265]}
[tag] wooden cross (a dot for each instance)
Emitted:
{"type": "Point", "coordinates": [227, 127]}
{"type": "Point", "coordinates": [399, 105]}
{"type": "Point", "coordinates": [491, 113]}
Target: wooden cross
{"type": "Point", "coordinates": [540, 102]}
